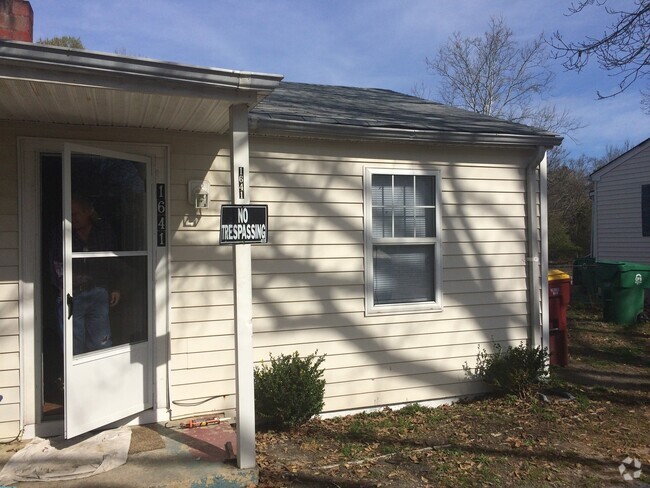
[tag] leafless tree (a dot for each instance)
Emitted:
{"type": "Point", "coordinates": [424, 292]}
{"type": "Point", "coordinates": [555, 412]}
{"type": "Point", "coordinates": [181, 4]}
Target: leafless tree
{"type": "Point", "coordinates": [422, 90]}
{"type": "Point", "coordinates": [623, 48]}
{"type": "Point", "coordinates": [611, 153]}
{"type": "Point", "coordinates": [495, 75]}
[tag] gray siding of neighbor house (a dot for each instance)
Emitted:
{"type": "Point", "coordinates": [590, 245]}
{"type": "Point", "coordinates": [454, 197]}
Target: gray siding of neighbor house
{"type": "Point", "coordinates": [617, 232]}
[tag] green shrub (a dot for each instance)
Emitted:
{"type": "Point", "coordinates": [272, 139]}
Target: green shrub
{"type": "Point", "coordinates": [517, 370]}
{"type": "Point", "coordinates": [289, 391]}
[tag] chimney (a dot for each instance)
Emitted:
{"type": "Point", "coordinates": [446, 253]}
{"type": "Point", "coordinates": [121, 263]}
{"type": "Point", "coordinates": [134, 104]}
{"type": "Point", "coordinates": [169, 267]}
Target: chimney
{"type": "Point", "coordinates": [16, 20]}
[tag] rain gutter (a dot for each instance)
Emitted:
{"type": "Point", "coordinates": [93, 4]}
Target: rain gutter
{"type": "Point", "coordinates": [261, 126]}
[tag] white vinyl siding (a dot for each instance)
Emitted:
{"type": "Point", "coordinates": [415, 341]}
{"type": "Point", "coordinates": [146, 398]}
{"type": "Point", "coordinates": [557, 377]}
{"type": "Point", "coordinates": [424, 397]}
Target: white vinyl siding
{"type": "Point", "coordinates": [202, 361]}
{"type": "Point", "coordinates": [618, 226]}
{"type": "Point", "coordinates": [309, 285]}
{"type": "Point", "coordinates": [9, 290]}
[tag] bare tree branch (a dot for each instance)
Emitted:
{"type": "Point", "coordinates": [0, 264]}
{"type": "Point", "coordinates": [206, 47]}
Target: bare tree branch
{"type": "Point", "coordinates": [623, 49]}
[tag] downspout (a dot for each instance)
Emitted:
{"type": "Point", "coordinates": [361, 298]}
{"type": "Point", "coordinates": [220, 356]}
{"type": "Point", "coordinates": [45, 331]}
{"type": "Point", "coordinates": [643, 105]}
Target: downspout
{"type": "Point", "coordinates": [537, 239]}
{"type": "Point", "coordinates": [593, 195]}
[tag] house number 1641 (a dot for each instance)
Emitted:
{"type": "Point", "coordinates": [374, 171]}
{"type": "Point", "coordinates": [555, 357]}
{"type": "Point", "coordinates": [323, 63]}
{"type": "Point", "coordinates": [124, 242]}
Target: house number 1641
{"type": "Point", "coordinates": [161, 217]}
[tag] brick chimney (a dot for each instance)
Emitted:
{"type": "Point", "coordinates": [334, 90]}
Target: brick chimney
{"type": "Point", "coordinates": [16, 20]}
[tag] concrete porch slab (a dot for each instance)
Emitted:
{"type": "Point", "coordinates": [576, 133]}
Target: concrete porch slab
{"type": "Point", "coordinates": [194, 457]}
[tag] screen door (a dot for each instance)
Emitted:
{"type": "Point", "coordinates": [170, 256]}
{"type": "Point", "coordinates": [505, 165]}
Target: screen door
{"type": "Point", "coordinates": [106, 287]}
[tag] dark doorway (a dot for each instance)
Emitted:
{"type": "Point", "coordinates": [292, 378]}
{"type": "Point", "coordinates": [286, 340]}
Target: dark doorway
{"type": "Point", "coordinates": [52, 342]}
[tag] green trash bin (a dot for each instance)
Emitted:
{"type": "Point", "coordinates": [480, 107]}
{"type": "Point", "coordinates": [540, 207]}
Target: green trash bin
{"type": "Point", "coordinates": [623, 287]}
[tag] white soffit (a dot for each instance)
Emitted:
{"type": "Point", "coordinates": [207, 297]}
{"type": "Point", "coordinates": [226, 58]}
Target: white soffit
{"type": "Point", "coordinates": [68, 104]}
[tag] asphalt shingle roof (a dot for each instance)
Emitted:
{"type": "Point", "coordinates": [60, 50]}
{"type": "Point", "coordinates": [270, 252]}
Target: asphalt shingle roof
{"type": "Point", "coordinates": [311, 107]}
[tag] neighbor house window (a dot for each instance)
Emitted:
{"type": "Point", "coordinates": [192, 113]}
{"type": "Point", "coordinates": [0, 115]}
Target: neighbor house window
{"type": "Point", "coordinates": [645, 210]}
{"type": "Point", "coordinates": [402, 240]}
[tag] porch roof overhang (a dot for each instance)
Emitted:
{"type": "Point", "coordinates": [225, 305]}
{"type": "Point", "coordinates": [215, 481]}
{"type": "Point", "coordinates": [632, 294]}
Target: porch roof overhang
{"type": "Point", "coordinates": [67, 86]}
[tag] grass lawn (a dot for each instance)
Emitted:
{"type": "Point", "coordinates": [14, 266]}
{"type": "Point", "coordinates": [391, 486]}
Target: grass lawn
{"type": "Point", "coordinates": [495, 440]}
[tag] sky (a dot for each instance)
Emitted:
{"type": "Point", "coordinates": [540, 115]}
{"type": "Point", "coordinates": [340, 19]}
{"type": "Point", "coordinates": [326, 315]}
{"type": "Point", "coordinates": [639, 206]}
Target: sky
{"type": "Point", "coordinates": [364, 43]}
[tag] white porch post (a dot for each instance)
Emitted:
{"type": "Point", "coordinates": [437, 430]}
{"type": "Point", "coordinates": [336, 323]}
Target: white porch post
{"type": "Point", "coordinates": [243, 290]}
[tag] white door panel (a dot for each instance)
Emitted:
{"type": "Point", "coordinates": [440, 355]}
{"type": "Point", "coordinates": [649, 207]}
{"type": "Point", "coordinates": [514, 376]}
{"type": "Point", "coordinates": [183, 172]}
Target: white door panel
{"type": "Point", "coordinates": [106, 274]}
{"type": "Point", "coordinates": [117, 389]}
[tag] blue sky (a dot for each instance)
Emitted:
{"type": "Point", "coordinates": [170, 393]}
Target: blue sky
{"type": "Point", "coordinates": [367, 43]}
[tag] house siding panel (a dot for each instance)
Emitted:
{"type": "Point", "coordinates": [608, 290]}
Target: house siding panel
{"type": "Point", "coordinates": [9, 289]}
{"type": "Point", "coordinates": [201, 312]}
{"type": "Point", "coordinates": [308, 284]}
{"type": "Point", "coordinates": [618, 234]}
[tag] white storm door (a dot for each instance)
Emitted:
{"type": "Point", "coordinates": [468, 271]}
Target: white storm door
{"type": "Point", "coordinates": [107, 313]}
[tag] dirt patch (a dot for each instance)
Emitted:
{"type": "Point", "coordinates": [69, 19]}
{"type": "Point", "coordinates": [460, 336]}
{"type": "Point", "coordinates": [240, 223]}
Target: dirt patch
{"type": "Point", "coordinates": [492, 441]}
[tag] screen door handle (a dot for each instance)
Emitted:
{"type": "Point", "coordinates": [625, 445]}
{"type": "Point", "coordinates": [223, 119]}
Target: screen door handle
{"type": "Point", "coordinates": [70, 302]}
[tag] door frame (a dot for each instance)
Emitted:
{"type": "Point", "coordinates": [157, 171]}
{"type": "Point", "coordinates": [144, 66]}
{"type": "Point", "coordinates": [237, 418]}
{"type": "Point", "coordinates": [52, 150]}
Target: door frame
{"type": "Point", "coordinates": [29, 150]}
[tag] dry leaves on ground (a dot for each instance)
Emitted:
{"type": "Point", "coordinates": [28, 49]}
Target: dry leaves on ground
{"type": "Point", "coordinates": [492, 441]}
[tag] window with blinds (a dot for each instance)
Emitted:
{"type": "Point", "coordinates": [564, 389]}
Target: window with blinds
{"type": "Point", "coordinates": [403, 266]}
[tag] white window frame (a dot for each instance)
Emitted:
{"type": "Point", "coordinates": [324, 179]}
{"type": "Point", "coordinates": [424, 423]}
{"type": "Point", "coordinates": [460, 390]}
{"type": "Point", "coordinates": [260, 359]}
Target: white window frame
{"type": "Point", "coordinates": [369, 242]}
